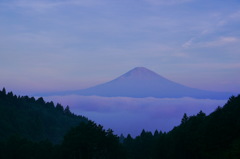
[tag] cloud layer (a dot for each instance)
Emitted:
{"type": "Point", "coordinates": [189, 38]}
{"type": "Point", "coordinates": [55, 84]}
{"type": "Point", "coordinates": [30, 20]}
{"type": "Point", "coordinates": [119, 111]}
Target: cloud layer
{"type": "Point", "coordinates": [131, 115]}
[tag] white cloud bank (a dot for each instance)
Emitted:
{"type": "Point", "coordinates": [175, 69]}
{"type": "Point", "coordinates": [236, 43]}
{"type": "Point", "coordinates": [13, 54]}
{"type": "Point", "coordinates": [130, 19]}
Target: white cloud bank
{"type": "Point", "coordinates": [131, 115]}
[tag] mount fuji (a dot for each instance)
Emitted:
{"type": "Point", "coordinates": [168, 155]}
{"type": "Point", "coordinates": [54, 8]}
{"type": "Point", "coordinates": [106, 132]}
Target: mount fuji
{"type": "Point", "coordinates": [141, 82]}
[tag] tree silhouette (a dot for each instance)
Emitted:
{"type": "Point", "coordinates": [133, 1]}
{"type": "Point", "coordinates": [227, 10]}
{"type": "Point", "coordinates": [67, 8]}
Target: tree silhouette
{"type": "Point", "coordinates": [184, 119]}
{"type": "Point", "coordinates": [89, 140]}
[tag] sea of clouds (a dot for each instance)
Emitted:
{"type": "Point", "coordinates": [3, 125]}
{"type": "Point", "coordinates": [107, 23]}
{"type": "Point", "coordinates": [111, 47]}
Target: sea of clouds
{"type": "Point", "coordinates": [130, 115]}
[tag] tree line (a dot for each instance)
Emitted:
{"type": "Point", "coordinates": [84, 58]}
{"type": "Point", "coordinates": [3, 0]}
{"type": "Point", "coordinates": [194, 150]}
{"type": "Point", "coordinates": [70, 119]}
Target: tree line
{"type": "Point", "coordinates": [33, 128]}
{"type": "Point", "coordinates": [216, 136]}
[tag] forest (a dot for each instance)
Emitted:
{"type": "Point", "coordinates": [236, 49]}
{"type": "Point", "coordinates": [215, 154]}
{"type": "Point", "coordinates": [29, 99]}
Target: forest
{"type": "Point", "coordinates": [34, 129]}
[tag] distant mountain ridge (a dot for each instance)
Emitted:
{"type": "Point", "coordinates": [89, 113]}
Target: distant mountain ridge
{"type": "Point", "coordinates": [141, 82]}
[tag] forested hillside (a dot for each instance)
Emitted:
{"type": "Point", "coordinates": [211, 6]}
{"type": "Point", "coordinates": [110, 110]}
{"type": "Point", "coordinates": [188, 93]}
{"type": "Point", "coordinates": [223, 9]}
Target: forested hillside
{"type": "Point", "coordinates": [216, 136]}
{"type": "Point", "coordinates": [37, 129]}
{"type": "Point", "coordinates": [34, 119]}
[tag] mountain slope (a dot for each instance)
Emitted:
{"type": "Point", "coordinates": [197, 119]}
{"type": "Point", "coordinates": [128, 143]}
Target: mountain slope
{"type": "Point", "coordinates": [213, 136]}
{"type": "Point", "coordinates": [34, 119]}
{"type": "Point", "coordinates": [141, 82]}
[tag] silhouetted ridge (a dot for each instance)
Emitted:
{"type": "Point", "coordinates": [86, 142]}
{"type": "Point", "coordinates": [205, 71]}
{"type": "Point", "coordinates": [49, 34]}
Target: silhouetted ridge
{"type": "Point", "coordinates": [216, 136]}
{"type": "Point", "coordinates": [34, 119]}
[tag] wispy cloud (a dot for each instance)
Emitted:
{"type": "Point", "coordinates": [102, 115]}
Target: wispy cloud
{"type": "Point", "coordinates": [215, 30]}
{"type": "Point", "coordinates": [214, 66]}
{"type": "Point", "coordinates": [188, 43]}
{"type": "Point", "coordinates": [167, 2]}
{"type": "Point", "coordinates": [45, 5]}
{"type": "Point", "coordinates": [235, 15]}
{"type": "Point", "coordinates": [221, 41]}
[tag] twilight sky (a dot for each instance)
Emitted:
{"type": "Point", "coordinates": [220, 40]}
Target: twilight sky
{"type": "Point", "coordinates": [51, 45]}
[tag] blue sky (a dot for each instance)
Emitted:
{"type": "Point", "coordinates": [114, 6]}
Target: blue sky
{"type": "Point", "coordinates": [51, 45]}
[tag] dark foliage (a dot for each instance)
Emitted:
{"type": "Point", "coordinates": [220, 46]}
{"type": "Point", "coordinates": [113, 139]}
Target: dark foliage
{"type": "Point", "coordinates": [31, 128]}
{"type": "Point", "coordinates": [34, 129]}
{"type": "Point", "coordinates": [33, 119]}
{"type": "Point", "coordinates": [91, 141]}
{"type": "Point", "coordinates": [216, 136]}
{"type": "Point", "coordinates": [16, 147]}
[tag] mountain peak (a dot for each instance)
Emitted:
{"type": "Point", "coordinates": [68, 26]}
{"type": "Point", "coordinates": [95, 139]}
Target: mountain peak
{"type": "Point", "coordinates": [140, 69]}
{"type": "Point", "coordinates": [140, 73]}
{"type": "Point", "coordinates": [141, 82]}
